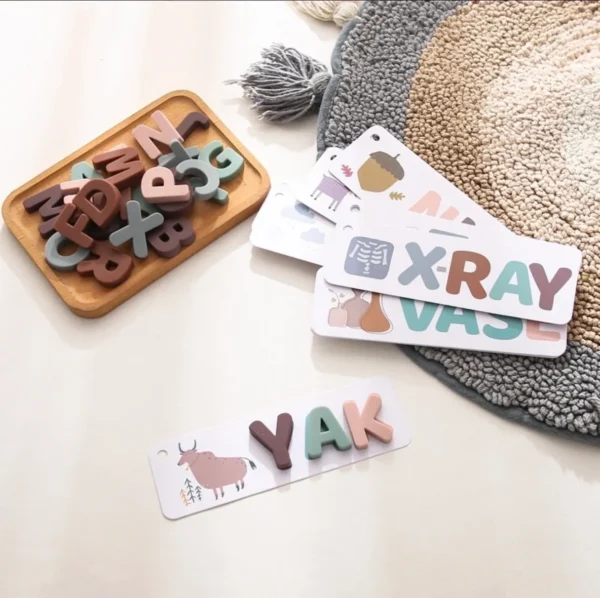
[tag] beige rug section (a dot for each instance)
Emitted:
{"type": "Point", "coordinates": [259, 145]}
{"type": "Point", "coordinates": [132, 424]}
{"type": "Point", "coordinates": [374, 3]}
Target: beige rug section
{"type": "Point", "coordinates": [506, 104]}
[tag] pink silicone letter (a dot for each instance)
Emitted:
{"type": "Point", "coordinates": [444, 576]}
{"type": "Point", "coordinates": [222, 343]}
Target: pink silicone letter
{"type": "Point", "coordinates": [70, 188]}
{"type": "Point", "coordinates": [148, 137]}
{"type": "Point", "coordinates": [361, 423]}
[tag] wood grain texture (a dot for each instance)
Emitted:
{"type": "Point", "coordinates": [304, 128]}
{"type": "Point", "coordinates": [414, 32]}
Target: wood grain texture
{"type": "Point", "coordinates": [85, 296]}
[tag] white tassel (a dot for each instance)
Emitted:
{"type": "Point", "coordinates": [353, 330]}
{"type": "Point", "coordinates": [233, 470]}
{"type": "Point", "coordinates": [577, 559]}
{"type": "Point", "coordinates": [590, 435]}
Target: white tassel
{"type": "Point", "coordinates": [338, 11]}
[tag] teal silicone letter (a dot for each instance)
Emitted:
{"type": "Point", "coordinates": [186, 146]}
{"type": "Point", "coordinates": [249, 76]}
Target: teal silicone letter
{"type": "Point", "coordinates": [521, 287]}
{"type": "Point", "coordinates": [417, 322]}
{"type": "Point", "coordinates": [449, 316]}
{"type": "Point", "coordinates": [323, 428]}
{"type": "Point", "coordinates": [82, 170]}
{"type": "Point", "coordinates": [514, 327]}
{"type": "Point", "coordinates": [229, 161]}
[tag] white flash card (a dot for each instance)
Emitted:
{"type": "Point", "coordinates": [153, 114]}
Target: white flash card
{"type": "Point", "coordinates": [286, 226]}
{"type": "Point", "coordinates": [325, 194]}
{"type": "Point", "coordinates": [331, 429]}
{"type": "Point", "coordinates": [378, 167]}
{"type": "Point", "coordinates": [506, 275]}
{"type": "Point", "coordinates": [339, 312]}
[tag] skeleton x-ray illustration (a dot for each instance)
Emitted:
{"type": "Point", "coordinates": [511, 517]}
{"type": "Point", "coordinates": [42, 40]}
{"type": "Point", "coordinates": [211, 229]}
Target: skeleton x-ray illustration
{"type": "Point", "coordinates": [369, 257]}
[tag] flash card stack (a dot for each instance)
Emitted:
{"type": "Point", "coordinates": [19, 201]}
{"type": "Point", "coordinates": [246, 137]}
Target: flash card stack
{"type": "Point", "coordinates": [410, 259]}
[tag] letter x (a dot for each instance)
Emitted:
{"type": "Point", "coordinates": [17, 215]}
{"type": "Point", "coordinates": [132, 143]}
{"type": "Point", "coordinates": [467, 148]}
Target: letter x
{"type": "Point", "coordinates": [422, 266]}
{"type": "Point", "coordinates": [136, 229]}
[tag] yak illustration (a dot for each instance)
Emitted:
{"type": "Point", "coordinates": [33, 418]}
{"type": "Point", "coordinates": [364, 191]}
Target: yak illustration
{"type": "Point", "coordinates": [215, 472]}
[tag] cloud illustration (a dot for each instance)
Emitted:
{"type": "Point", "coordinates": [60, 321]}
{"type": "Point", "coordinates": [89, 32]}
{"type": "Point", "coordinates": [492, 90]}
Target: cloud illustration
{"type": "Point", "coordinates": [313, 235]}
{"type": "Point", "coordinates": [299, 212]}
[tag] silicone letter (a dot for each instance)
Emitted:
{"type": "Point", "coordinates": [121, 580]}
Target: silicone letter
{"type": "Point", "coordinates": [74, 232]}
{"type": "Point", "coordinates": [451, 316]}
{"type": "Point", "coordinates": [48, 201]}
{"type": "Point", "coordinates": [111, 194]}
{"type": "Point", "coordinates": [46, 228]}
{"type": "Point", "coordinates": [171, 237]}
{"type": "Point", "coordinates": [136, 195]}
{"type": "Point", "coordinates": [191, 122]}
{"type": "Point", "coordinates": [323, 428]}
{"type": "Point", "coordinates": [277, 444]}
{"type": "Point", "coordinates": [82, 170]}
{"type": "Point", "coordinates": [110, 269]}
{"type": "Point", "coordinates": [230, 162]}
{"type": "Point", "coordinates": [548, 289]}
{"type": "Point", "coordinates": [457, 274]}
{"type": "Point", "coordinates": [136, 229]}
{"type": "Point", "coordinates": [148, 137]}
{"type": "Point", "coordinates": [417, 322]}
{"type": "Point", "coordinates": [361, 423]}
{"type": "Point", "coordinates": [178, 154]}
{"type": "Point", "coordinates": [521, 287]}
{"type": "Point", "coordinates": [203, 171]}
{"type": "Point", "coordinates": [534, 332]}
{"type": "Point", "coordinates": [158, 186]}
{"type": "Point", "coordinates": [71, 188]}
{"type": "Point", "coordinates": [514, 327]}
{"type": "Point", "coordinates": [63, 263]}
{"type": "Point", "coordinates": [422, 265]}
{"type": "Point", "coordinates": [123, 165]}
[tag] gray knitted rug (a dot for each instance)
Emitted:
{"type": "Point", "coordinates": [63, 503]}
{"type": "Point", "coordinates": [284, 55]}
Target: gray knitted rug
{"type": "Point", "coordinates": [502, 99]}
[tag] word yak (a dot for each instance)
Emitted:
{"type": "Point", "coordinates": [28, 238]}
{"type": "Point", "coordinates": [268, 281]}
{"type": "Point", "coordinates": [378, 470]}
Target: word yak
{"type": "Point", "coordinates": [322, 428]}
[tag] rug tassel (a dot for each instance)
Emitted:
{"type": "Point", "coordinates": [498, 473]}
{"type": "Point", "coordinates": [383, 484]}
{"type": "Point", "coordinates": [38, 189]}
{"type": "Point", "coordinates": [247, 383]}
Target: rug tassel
{"type": "Point", "coordinates": [285, 84]}
{"type": "Point", "coordinates": [338, 11]}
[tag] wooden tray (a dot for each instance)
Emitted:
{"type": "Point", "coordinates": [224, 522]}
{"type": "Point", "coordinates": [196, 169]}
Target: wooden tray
{"type": "Point", "coordinates": [85, 296]}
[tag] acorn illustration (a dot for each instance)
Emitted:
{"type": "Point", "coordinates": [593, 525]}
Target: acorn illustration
{"type": "Point", "coordinates": [380, 172]}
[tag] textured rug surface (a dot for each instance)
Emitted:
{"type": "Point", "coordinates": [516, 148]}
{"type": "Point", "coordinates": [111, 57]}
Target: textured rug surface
{"type": "Point", "coordinates": [502, 98]}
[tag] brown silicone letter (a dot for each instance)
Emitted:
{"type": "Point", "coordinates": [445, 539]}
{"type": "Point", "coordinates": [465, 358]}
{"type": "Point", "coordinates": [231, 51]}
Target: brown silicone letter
{"type": "Point", "coordinates": [73, 231]}
{"type": "Point", "coordinates": [111, 197]}
{"type": "Point", "coordinates": [123, 165]}
{"type": "Point", "coordinates": [178, 208]}
{"type": "Point", "coordinates": [457, 274]}
{"type": "Point", "coordinates": [277, 444]}
{"type": "Point", "coordinates": [171, 236]}
{"type": "Point", "coordinates": [192, 121]}
{"type": "Point", "coordinates": [110, 269]}
{"type": "Point", "coordinates": [46, 228]}
{"type": "Point", "coordinates": [49, 202]}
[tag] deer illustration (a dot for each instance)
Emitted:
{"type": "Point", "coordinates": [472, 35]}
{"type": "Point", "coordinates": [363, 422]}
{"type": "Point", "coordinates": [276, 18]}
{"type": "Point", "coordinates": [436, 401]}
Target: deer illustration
{"type": "Point", "coordinates": [215, 472]}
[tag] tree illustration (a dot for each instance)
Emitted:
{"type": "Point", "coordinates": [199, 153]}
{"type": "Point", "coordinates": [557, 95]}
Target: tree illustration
{"type": "Point", "coordinates": [190, 490]}
{"type": "Point", "coordinates": [396, 195]}
{"type": "Point", "coordinates": [346, 170]}
{"type": "Point", "coordinates": [184, 499]}
{"type": "Point", "coordinates": [198, 493]}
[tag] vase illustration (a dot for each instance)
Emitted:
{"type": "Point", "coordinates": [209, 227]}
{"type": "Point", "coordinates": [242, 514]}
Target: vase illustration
{"type": "Point", "coordinates": [380, 172]}
{"type": "Point", "coordinates": [338, 316]}
{"type": "Point", "coordinates": [374, 319]}
{"type": "Point", "coordinates": [355, 307]}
